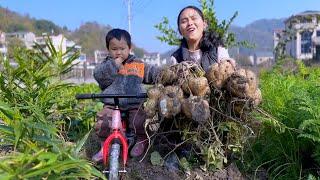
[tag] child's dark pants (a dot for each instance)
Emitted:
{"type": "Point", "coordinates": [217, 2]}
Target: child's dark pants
{"type": "Point", "coordinates": [136, 118]}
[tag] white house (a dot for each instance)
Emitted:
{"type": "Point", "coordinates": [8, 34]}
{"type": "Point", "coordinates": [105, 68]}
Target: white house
{"type": "Point", "coordinates": [153, 59]}
{"type": "Point", "coordinates": [27, 37]}
{"type": "Point", "coordinates": [261, 57]}
{"type": "Point", "coordinates": [304, 40]}
{"type": "Point", "coordinates": [60, 42]}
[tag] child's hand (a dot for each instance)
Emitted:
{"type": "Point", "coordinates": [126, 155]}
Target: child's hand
{"type": "Point", "coordinates": [119, 60]}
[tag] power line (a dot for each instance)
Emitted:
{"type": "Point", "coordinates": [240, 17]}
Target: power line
{"type": "Point", "coordinates": [129, 4]}
{"type": "Point", "coordinates": [129, 8]}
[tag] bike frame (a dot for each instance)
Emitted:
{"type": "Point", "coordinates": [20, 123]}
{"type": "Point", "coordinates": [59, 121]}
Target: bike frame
{"type": "Point", "coordinates": [116, 125]}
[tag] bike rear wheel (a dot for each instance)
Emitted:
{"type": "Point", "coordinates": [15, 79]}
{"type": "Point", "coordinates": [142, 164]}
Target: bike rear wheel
{"type": "Point", "coordinates": [114, 162]}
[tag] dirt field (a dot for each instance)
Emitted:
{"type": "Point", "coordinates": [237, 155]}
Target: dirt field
{"type": "Point", "coordinates": [146, 171]}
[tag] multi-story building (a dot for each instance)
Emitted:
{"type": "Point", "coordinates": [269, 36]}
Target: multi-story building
{"type": "Point", "coordinates": [301, 35]}
{"type": "Point", "coordinates": [60, 42]}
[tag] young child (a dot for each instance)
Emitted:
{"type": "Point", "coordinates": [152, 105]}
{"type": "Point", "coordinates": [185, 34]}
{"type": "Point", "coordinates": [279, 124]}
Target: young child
{"type": "Point", "coordinates": [122, 73]}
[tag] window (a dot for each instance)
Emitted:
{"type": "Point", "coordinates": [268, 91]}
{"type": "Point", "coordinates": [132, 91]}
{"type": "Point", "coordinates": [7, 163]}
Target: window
{"type": "Point", "coordinates": [306, 42]}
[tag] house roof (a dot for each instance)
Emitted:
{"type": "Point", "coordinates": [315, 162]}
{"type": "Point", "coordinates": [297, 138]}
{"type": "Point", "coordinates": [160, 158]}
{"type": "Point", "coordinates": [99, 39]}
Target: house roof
{"type": "Point", "coordinates": [308, 13]}
{"type": "Point", "coordinates": [304, 13]}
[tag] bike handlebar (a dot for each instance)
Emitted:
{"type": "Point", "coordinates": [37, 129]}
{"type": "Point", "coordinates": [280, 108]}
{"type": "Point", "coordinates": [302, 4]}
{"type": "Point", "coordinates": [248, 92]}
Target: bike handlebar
{"type": "Point", "coordinates": [99, 96]}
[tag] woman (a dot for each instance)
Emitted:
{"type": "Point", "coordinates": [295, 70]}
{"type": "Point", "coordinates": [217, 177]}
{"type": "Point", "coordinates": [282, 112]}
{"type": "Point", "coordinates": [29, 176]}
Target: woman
{"type": "Point", "coordinates": [198, 45]}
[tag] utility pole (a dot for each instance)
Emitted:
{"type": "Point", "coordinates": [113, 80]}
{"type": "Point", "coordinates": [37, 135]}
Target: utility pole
{"type": "Point", "coordinates": [129, 16]}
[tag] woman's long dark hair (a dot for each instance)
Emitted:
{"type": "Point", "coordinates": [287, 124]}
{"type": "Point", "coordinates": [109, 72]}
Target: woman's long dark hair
{"type": "Point", "coordinates": [209, 40]}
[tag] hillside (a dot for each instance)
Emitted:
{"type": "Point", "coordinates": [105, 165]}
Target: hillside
{"type": "Point", "coordinates": [13, 22]}
{"type": "Point", "coordinates": [90, 35]}
{"type": "Point", "coordinates": [260, 33]}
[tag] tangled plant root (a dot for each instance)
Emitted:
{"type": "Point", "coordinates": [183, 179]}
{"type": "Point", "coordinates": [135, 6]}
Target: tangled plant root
{"type": "Point", "coordinates": [196, 108]}
{"type": "Point", "coordinates": [217, 74]}
{"type": "Point", "coordinates": [151, 107]}
{"type": "Point", "coordinates": [199, 86]}
{"type": "Point", "coordinates": [155, 92]}
{"type": "Point", "coordinates": [205, 108]}
{"type": "Point", "coordinates": [169, 106]}
{"type": "Point", "coordinates": [242, 84]}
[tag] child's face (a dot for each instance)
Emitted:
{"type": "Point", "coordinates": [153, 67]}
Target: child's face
{"type": "Point", "coordinates": [119, 49]}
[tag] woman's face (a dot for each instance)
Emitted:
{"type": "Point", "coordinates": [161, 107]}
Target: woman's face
{"type": "Point", "coordinates": [191, 25]}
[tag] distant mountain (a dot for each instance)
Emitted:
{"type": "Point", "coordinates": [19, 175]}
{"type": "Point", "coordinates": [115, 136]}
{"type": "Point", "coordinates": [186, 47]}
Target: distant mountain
{"type": "Point", "coordinates": [91, 35]}
{"type": "Point", "coordinates": [268, 25]}
{"type": "Point", "coordinates": [260, 33]}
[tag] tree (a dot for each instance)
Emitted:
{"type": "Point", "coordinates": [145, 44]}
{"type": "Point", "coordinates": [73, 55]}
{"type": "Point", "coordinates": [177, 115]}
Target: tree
{"type": "Point", "coordinates": [172, 37]}
{"type": "Point", "coordinates": [46, 26]}
{"type": "Point", "coordinates": [16, 27]}
{"type": "Point", "coordinates": [91, 36]}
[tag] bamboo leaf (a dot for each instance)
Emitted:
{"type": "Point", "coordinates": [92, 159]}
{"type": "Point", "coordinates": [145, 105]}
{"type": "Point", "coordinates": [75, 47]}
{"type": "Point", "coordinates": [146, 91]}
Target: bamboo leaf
{"type": "Point", "coordinates": [80, 144]}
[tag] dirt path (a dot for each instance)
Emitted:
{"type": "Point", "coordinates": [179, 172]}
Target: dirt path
{"type": "Point", "coordinates": [146, 171]}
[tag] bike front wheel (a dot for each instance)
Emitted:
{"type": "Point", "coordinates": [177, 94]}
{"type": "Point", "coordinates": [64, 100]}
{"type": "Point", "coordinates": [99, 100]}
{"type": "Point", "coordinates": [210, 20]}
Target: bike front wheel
{"type": "Point", "coordinates": [114, 162]}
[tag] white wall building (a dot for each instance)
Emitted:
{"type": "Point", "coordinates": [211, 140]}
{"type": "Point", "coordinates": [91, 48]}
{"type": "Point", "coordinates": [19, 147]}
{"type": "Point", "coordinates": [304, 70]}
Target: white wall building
{"type": "Point", "coordinates": [261, 57]}
{"type": "Point", "coordinates": [153, 59]}
{"type": "Point", "coordinates": [60, 42]}
{"type": "Point", "coordinates": [99, 55]}
{"type": "Point", "coordinates": [305, 40]}
{"type": "Point", "coordinates": [27, 37]}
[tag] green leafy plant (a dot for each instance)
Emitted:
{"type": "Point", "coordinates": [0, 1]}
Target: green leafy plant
{"type": "Point", "coordinates": [169, 36]}
{"type": "Point", "coordinates": [33, 117]}
{"type": "Point", "coordinates": [291, 98]}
